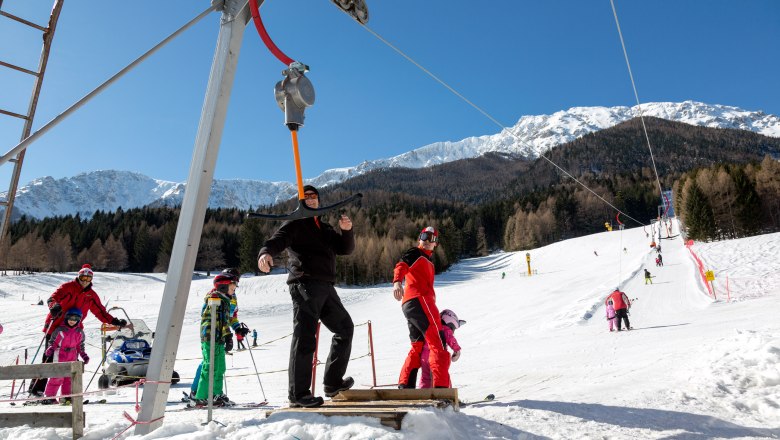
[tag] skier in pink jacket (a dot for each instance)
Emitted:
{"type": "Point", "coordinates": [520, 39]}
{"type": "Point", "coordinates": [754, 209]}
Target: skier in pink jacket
{"type": "Point", "coordinates": [67, 344]}
{"type": "Point", "coordinates": [450, 323]}
{"type": "Point", "coordinates": [611, 315]}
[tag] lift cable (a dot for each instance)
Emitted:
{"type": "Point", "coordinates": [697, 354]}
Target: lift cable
{"type": "Point", "coordinates": [638, 104]}
{"type": "Point", "coordinates": [494, 120]}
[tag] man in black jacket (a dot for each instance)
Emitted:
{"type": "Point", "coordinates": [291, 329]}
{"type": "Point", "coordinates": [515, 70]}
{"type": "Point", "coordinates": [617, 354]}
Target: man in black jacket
{"type": "Point", "coordinates": [312, 246]}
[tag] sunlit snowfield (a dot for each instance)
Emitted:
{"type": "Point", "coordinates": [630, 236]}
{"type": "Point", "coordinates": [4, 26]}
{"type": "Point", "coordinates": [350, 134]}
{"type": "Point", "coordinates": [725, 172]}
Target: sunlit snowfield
{"type": "Point", "coordinates": [692, 368]}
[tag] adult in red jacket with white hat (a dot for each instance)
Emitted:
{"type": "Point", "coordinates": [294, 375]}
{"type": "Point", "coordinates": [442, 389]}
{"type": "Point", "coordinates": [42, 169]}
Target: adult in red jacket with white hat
{"type": "Point", "coordinates": [621, 303]}
{"type": "Point", "coordinates": [77, 294]}
{"type": "Point", "coordinates": [422, 315]}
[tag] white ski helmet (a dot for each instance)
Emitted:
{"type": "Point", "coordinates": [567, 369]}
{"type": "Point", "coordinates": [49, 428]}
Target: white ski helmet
{"type": "Point", "coordinates": [450, 319]}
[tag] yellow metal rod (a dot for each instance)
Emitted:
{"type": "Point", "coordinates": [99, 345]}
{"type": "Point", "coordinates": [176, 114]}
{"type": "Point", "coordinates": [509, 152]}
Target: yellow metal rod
{"type": "Point", "coordinates": [297, 163]}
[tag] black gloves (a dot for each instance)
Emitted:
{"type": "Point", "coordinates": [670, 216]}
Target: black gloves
{"type": "Point", "coordinates": [55, 310]}
{"type": "Point", "coordinates": [119, 322]}
{"type": "Point", "coordinates": [228, 343]}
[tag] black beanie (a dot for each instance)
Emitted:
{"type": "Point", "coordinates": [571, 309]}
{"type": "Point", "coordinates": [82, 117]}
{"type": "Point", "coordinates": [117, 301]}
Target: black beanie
{"type": "Point", "coordinates": [311, 188]}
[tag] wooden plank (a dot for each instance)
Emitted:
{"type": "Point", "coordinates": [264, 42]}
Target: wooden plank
{"type": "Point", "coordinates": [394, 404]}
{"type": "Point", "coordinates": [58, 369]}
{"type": "Point", "coordinates": [402, 394]}
{"type": "Point", "coordinates": [36, 419]}
{"type": "Point", "coordinates": [391, 418]}
{"type": "Point", "coordinates": [77, 401]}
{"type": "Point", "coordinates": [389, 412]}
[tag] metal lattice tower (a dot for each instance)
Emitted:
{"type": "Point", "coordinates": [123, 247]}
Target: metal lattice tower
{"type": "Point", "coordinates": [48, 36]}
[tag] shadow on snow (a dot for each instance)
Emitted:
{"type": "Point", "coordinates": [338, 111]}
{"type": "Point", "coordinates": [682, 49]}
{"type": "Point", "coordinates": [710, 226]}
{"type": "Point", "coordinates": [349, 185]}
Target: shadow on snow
{"type": "Point", "coordinates": [696, 426]}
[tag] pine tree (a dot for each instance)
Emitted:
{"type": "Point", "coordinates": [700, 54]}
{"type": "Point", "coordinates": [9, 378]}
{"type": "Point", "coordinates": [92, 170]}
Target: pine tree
{"type": "Point", "coordinates": [114, 255]}
{"type": "Point", "coordinates": [747, 206]}
{"type": "Point", "coordinates": [251, 240]}
{"type": "Point", "coordinates": [59, 254]}
{"type": "Point", "coordinates": [145, 249]}
{"type": "Point", "coordinates": [210, 255]}
{"type": "Point", "coordinates": [166, 247]}
{"type": "Point", "coordinates": [699, 218]}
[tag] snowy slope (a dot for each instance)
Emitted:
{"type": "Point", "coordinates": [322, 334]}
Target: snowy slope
{"type": "Point", "coordinates": [692, 368]}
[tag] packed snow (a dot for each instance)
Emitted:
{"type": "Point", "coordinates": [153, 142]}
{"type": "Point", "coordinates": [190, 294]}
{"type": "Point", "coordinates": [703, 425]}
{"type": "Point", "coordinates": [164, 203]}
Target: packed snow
{"type": "Point", "coordinates": [693, 367]}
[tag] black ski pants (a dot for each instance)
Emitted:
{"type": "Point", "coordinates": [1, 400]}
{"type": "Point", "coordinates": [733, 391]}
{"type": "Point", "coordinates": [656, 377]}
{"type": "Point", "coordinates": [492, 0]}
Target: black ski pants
{"type": "Point", "coordinates": [622, 314]}
{"type": "Point", "coordinates": [317, 301]}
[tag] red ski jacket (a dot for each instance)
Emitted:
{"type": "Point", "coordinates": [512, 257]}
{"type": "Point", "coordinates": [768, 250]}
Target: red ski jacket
{"type": "Point", "coordinates": [416, 266]}
{"type": "Point", "coordinates": [619, 300]}
{"type": "Point", "coordinates": [70, 295]}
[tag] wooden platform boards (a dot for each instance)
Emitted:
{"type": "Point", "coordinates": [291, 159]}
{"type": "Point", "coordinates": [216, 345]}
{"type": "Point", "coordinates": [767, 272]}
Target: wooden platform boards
{"type": "Point", "coordinates": [389, 406]}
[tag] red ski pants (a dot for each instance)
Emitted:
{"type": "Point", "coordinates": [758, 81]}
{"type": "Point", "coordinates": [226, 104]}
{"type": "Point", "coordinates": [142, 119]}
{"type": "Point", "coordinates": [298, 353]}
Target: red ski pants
{"type": "Point", "coordinates": [423, 320]}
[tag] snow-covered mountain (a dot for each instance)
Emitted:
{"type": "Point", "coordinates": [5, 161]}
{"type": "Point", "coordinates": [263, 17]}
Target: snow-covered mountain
{"type": "Point", "coordinates": [531, 136]}
{"type": "Point", "coordinates": [108, 190]}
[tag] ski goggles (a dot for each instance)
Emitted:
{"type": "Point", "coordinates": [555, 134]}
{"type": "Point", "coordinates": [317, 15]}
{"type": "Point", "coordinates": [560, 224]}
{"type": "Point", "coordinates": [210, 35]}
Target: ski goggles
{"type": "Point", "coordinates": [85, 277]}
{"type": "Point", "coordinates": [429, 236]}
{"type": "Point", "coordinates": [312, 196]}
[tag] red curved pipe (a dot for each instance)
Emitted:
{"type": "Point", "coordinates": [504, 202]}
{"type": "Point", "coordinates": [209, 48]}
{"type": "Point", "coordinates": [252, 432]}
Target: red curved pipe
{"type": "Point", "coordinates": [617, 217]}
{"type": "Point", "coordinates": [264, 35]}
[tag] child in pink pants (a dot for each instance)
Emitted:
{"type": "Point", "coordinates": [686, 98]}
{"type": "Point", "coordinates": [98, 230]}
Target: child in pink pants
{"type": "Point", "coordinates": [611, 315]}
{"type": "Point", "coordinates": [67, 344]}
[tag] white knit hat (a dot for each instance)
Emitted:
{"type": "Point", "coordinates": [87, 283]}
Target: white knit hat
{"type": "Point", "coordinates": [86, 270]}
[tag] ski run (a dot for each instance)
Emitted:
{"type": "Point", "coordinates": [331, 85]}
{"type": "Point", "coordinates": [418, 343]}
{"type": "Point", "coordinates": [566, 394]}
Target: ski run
{"type": "Point", "coordinates": [691, 368]}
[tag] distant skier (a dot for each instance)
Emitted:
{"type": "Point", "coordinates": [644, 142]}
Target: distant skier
{"type": "Point", "coordinates": [621, 303]}
{"type": "Point", "coordinates": [67, 343]}
{"type": "Point", "coordinates": [254, 338]}
{"type": "Point", "coordinates": [503, 275]}
{"type": "Point", "coordinates": [659, 260]}
{"type": "Point", "coordinates": [611, 314]}
{"type": "Point", "coordinates": [240, 341]}
{"type": "Point", "coordinates": [648, 277]}
{"type": "Point", "coordinates": [595, 253]}
{"type": "Point", "coordinates": [450, 323]}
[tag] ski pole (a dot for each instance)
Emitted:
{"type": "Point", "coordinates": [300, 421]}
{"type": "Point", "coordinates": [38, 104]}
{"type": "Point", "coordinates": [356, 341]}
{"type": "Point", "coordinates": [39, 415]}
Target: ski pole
{"type": "Point", "coordinates": [39, 349]}
{"type": "Point", "coordinates": [258, 375]}
{"type": "Point", "coordinates": [24, 381]}
{"type": "Point", "coordinates": [102, 362]}
{"type": "Point", "coordinates": [213, 303]}
{"type": "Point", "coordinates": [13, 384]}
{"type": "Point", "coordinates": [34, 382]}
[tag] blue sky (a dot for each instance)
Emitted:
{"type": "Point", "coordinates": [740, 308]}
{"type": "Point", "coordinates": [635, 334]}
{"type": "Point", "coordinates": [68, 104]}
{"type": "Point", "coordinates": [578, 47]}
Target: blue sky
{"type": "Point", "coordinates": [511, 58]}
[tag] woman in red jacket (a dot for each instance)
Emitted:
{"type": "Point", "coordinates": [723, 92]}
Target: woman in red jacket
{"type": "Point", "coordinates": [418, 302]}
{"type": "Point", "coordinates": [73, 294]}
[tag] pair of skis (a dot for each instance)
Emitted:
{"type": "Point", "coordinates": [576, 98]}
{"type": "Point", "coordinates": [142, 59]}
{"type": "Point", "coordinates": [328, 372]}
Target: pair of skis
{"type": "Point", "coordinates": [190, 404]}
{"type": "Point", "coordinates": [65, 403]}
{"type": "Point", "coordinates": [488, 398]}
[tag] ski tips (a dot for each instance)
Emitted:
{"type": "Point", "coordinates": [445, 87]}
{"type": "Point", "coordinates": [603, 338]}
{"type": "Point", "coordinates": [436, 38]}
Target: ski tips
{"type": "Point", "coordinates": [303, 211]}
